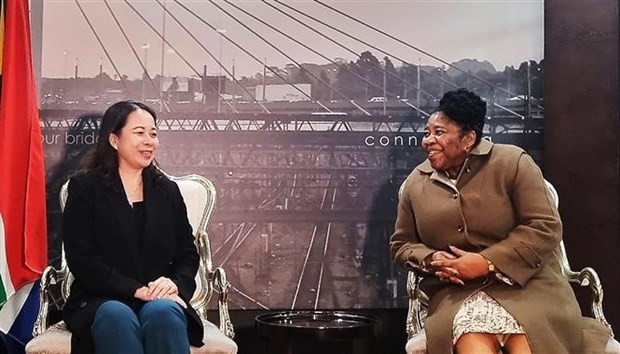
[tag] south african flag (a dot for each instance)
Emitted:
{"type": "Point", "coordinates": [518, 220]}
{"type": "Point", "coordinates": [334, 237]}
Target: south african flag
{"type": "Point", "coordinates": [23, 235]}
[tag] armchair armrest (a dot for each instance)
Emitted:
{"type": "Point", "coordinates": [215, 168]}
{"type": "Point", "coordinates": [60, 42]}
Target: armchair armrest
{"type": "Point", "coordinates": [211, 279]}
{"type": "Point", "coordinates": [51, 276]}
{"type": "Point", "coordinates": [205, 276]}
{"type": "Point", "coordinates": [418, 302]}
{"type": "Point", "coordinates": [222, 285]}
{"type": "Point", "coordinates": [585, 277]}
{"type": "Point", "coordinates": [48, 278]}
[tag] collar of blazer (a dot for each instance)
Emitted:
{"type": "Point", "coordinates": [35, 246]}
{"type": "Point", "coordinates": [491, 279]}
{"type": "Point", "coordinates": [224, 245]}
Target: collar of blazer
{"type": "Point", "coordinates": [150, 178]}
{"type": "Point", "coordinates": [469, 168]}
{"type": "Point", "coordinates": [483, 148]}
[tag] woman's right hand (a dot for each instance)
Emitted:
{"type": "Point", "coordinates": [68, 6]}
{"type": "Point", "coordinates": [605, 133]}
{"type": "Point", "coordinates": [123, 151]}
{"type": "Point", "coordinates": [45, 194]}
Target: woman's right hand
{"type": "Point", "coordinates": [143, 294]}
{"type": "Point", "coordinates": [446, 274]}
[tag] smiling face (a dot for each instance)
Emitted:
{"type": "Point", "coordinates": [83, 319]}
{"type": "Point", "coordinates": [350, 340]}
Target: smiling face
{"type": "Point", "coordinates": [137, 141]}
{"type": "Point", "coordinates": [446, 144]}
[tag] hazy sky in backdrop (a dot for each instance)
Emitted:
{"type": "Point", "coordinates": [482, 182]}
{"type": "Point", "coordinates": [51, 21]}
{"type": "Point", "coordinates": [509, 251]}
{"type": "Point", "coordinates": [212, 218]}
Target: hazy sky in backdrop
{"type": "Point", "coordinates": [500, 31]}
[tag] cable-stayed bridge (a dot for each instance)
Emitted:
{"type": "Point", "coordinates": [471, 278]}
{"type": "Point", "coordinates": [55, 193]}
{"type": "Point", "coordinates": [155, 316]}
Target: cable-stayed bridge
{"type": "Point", "coordinates": [296, 180]}
{"type": "Point", "coordinates": [307, 190]}
{"type": "Point", "coordinates": [409, 86]}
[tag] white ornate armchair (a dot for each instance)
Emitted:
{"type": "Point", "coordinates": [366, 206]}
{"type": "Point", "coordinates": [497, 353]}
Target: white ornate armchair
{"type": "Point", "coordinates": [199, 195]}
{"type": "Point", "coordinates": [418, 300]}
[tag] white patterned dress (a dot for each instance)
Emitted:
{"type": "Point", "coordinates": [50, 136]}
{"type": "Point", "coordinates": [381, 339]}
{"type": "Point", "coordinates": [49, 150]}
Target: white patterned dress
{"type": "Point", "coordinates": [480, 313]}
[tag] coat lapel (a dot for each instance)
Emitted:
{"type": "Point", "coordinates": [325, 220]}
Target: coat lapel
{"type": "Point", "coordinates": [474, 162]}
{"type": "Point", "coordinates": [434, 175]}
{"type": "Point", "coordinates": [115, 195]}
{"type": "Point", "coordinates": [154, 201]}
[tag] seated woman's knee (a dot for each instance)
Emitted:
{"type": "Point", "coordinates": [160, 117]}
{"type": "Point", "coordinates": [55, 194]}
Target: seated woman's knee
{"type": "Point", "coordinates": [114, 317]}
{"type": "Point", "coordinates": [477, 343]}
{"type": "Point", "coordinates": [114, 310]}
{"type": "Point", "coordinates": [161, 310]}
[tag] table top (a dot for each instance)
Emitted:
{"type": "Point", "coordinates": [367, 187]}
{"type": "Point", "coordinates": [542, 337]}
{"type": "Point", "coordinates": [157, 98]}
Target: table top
{"type": "Point", "coordinates": [319, 324]}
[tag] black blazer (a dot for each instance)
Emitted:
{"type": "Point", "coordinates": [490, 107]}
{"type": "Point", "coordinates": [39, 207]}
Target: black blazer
{"type": "Point", "coordinates": [104, 254]}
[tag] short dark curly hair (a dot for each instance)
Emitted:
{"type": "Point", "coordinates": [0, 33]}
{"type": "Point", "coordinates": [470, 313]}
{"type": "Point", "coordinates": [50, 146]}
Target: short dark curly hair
{"type": "Point", "coordinates": [466, 109]}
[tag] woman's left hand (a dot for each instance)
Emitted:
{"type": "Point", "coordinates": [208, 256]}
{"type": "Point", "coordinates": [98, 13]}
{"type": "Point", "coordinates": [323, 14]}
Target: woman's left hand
{"type": "Point", "coordinates": [161, 287]}
{"type": "Point", "coordinates": [469, 265]}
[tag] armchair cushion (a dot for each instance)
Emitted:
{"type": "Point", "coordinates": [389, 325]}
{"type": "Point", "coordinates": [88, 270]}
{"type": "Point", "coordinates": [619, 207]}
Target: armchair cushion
{"type": "Point", "coordinates": [57, 340]}
{"type": "Point", "coordinates": [416, 344]}
{"type": "Point", "coordinates": [215, 342]}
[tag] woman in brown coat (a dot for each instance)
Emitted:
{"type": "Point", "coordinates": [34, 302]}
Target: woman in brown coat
{"type": "Point", "coordinates": [475, 219]}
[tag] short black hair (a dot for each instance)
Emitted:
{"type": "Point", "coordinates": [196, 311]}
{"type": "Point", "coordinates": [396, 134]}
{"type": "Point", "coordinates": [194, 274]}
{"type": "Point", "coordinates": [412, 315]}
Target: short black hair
{"type": "Point", "coordinates": [466, 109]}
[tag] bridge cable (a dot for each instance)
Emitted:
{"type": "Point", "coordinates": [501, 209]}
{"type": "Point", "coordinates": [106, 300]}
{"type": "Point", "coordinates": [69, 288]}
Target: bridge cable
{"type": "Point", "coordinates": [211, 54]}
{"type": "Point", "coordinates": [412, 47]}
{"type": "Point", "coordinates": [344, 67]}
{"type": "Point", "coordinates": [368, 44]}
{"type": "Point", "coordinates": [495, 104]}
{"type": "Point", "coordinates": [249, 54]}
{"type": "Point", "coordinates": [135, 54]}
{"type": "Point", "coordinates": [282, 52]}
{"type": "Point", "coordinates": [105, 50]}
{"type": "Point", "coordinates": [357, 39]}
{"type": "Point", "coordinates": [428, 94]}
{"type": "Point", "coordinates": [177, 52]}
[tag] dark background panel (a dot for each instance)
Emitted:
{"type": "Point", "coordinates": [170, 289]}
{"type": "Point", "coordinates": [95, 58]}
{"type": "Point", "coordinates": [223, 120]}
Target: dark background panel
{"type": "Point", "coordinates": [582, 135]}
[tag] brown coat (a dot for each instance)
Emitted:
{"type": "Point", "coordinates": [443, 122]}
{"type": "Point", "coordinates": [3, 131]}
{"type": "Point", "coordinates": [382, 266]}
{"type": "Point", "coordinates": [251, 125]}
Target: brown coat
{"type": "Point", "coordinates": [500, 208]}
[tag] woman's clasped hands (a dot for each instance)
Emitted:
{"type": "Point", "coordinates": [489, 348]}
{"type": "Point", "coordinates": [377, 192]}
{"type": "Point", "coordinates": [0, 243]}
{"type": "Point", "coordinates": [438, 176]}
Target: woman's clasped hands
{"type": "Point", "coordinates": [458, 266]}
{"type": "Point", "coordinates": [161, 288]}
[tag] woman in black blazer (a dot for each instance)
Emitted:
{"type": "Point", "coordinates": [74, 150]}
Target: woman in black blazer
{"type": "Point", "coordinates": [129, 245]}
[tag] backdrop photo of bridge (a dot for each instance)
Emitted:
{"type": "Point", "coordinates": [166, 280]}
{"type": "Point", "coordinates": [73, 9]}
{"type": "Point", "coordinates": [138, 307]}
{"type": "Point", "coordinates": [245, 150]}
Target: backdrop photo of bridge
{"type": "Point", "coordinates": [307, 158]}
